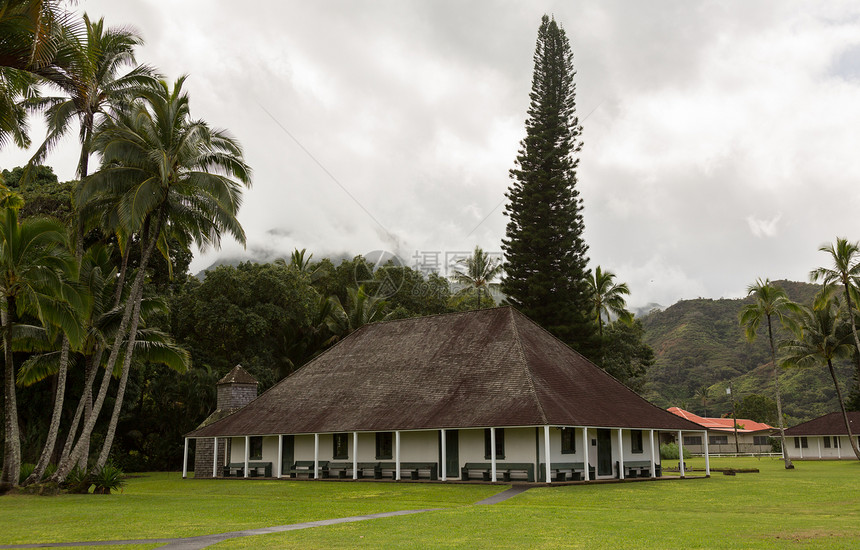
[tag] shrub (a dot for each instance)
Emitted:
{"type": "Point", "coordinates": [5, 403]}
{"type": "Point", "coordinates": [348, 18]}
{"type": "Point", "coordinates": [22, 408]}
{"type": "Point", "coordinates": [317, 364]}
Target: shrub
{"type": "Point", "coordinates": [669, 451]}
{"type": "Point", "coordinates": [78, 481]}
{"type": "Point", "coordinates": [109, 478]}
{"type": "Point", "coordinates": [775, 444]}
{"type": "Point", "coordinates": [26, 470]}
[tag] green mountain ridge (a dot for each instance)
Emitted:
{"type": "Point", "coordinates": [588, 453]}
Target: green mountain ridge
{"type": "Point", "coordinates": [700, 343]}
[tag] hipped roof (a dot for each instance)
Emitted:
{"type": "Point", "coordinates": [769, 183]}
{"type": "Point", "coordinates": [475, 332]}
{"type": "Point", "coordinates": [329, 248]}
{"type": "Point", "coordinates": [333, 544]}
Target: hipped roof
{"type": "Point", "coordinates": [829, 424]}
{"type": "Point", "coordinates": [492, 367]}
{"type": "Point", "coordinates": [745, 425]}
{"type": "Point", "coordinates": [238, 375]}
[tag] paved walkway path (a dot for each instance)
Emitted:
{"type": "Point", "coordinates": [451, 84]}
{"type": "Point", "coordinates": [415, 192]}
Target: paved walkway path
{"type": "Point", "coordinates": [203, 541]}
{"type": "Point", "coordinates": [505, 495]}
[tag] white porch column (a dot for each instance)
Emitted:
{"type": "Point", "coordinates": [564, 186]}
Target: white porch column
{"type": "Point", "coordinates": [247, 452]}
{"type": "Point", "coordinates": [215, 456]}
{"type": "Point", "coordinates": [280, 456]}
{"type": "Point", "coordinates": [800, 445]}
{"type": "Point", "coordinates": [444, 449]}
{"type": "Point", "coordinates": [492, 454]}
{"type": "Point", "coordinates": [316, 456]}
{"type": "Point", "coordinates": [838, 447]}
{"type": "Point", "coordinates": [397, 455]}
{"type": "Point", "coordinates": [585, 474]}
{"type": "Point", "coordinates": [548, 471]}
{"type": "Point", "coordinates": [653, 458]}
{"type": "Point", "coordinates": [354, 455]}
{"type": "Point", "coordinates": [620, 455]}
{"type": "Point", "coordinates": [819, 448]}
{"type": "Point", "coordinates": [707, 458]}
{"type": "Point", "coordinates": [681, 454]}
{"type": "Point", "coordinates": [185, 460]}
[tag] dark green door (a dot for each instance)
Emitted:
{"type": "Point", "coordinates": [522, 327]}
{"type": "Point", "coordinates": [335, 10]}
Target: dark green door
{"type": "Point", "coordinates": [287, 453]}
{"type": "Point", "coordinates": [604, 452]}
{"type": "Point", "coordinates": [452, 452]}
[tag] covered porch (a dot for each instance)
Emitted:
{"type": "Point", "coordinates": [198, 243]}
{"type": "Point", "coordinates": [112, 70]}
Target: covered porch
{"type": "Point", "coordinates": [524, 453]}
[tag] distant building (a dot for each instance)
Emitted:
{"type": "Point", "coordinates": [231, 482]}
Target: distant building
{"type": "Point", "coordinates": [484, 394]}
{"type": "Point", "coordinates": [824, 437]}
{"type": "Point", "coordinates": [753, 437]}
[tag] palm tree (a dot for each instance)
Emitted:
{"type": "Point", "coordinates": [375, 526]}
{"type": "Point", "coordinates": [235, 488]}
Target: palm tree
{"type": "Point", "coordinates": [846, 271]}
{"type": "Point", "coordinates": [818, 340]}
{"type": "Point", "coordinates": [93, 85]}
{"type": "Point", "coordinates": [166, 174]}
{"type": "Point", "coordinates": [98, 275]}
{"type": "Point", "coordinates": [769, 302]}
{"type": "Point", "coordinates": [33, 48]}
{"type": "Point", "coordinates": [704, 393]}
{"type": "Point", "coordinates": [35, 265]}
{"type": "Point", "coordinates": [362, 309]}
{"type": "Point", "coordinates": [477, 272]}
{"type": "Point", "coordinates": [607, 298]}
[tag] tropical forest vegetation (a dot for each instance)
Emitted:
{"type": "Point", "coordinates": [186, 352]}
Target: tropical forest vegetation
{"type": "Point", "coordinates": [112, 348]}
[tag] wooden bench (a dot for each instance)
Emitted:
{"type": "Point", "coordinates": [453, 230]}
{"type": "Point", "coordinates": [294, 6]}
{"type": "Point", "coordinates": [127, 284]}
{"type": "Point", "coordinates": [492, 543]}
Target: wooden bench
{"type": "Point", "coordinates": [253, 469]}
{"type": "Point", "coordinates": [307, 467]}
{"type": "Point", "coordinates": [239, 467]}
{"type": "Point", "coordinates": [505, 468]}
{"type": "Point", "coordinates": [341, 467]}
{"type": "Point", "coordinates": [561, 469]}
{"type": "Point", "coordinates": [635, 468]}
{"type": "Point", "coordinates": [410, 469]}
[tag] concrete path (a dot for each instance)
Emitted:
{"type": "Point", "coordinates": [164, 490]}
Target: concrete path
{"type": "Point", "coordinates": [504, 495]}
{"type": "Point", "coordinates": [203, 541]}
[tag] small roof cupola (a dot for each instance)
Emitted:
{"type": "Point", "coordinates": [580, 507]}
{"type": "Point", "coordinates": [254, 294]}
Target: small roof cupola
{"type": "Point", "coordinates": [236, 389]}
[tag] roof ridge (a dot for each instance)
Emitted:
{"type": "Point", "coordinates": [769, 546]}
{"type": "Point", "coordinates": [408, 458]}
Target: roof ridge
{"type": "Point", "coordinates": [468, 311]}
{"type": "Point", "coordinates": [527, 368]}
{"type": "Point", "coordinates": [599, 368]}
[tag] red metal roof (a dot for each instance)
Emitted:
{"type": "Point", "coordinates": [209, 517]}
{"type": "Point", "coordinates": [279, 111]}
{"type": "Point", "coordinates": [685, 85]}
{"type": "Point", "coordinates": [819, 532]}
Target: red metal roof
{"type": "Point", "coordinates": [483, 368]}
{"type": "Point", "coordinates": [745, 425]}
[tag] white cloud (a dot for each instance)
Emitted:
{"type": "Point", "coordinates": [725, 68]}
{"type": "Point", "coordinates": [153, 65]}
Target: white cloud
{"type": "Point", "coordinates": [764, 228]}
{"type": "Point", "coordinates": [710, 119]}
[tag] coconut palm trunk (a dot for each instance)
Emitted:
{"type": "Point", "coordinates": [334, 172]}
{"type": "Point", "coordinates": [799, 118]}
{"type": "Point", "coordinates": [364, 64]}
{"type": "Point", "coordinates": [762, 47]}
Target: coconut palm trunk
{"type": "Point", "coordinates": [12, 445]}
{"type": "Point", "coordinates": [83, 410]}
{"type": "Point", "coordinates": [851, 439]}
{"type": "Point", "coordinates": [54, 428]}
{"type": "Point", "coordinates": [128, 325]}
{"type": "Point", "coordinates": [126, 367]}
{"type": "Point", "coordinates": [785, 457]}
{"type": "Point", "coordinates": [850, 306]}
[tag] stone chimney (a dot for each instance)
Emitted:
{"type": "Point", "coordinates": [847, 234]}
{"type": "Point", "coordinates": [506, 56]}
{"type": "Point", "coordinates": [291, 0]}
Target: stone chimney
{"type": "Point", "coordinates": [236, 390]}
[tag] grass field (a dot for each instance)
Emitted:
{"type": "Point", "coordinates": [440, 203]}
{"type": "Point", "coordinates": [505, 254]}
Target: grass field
{"type": "Point", "coordinates": [815, 506]}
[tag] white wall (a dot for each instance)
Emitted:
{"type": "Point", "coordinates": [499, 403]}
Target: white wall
{"type": "Point", "coordinates": [816, 448]}
{"type": "Point", "coordinates": [746, 442]}
{"type": "Point", "coordinates": [419, 446]}
{"type": "Point", "coordinates": [423, 446]}
{"type": "Point", "coordinates": [270, 451]}
{"type": "Point", "coordinates": [237, 448]}
{"type": "Point", "coordinates": [519, 445]}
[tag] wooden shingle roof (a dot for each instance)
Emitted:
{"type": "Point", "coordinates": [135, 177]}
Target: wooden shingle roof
{"type": "Point", "coordinates": [492, 367]}
{"type": "Point", "coordinates": [829, 424]}
{"type": "Point", "coordinates": [237, 375]}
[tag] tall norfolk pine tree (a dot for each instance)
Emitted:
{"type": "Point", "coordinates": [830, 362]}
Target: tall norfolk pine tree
{"type": "Point", "coordinates": [546, 263]}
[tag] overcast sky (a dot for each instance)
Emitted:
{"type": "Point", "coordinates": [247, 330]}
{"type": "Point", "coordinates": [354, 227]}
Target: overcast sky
{"type": "Point", "coordinates": [721, 138]}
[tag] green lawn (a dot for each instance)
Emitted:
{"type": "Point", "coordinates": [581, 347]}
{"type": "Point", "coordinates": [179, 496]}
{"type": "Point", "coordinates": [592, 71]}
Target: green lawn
{"type": "Point", "coordinates": [162, 505]}
{"type": "Point", "coordinates": [815, 506]}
